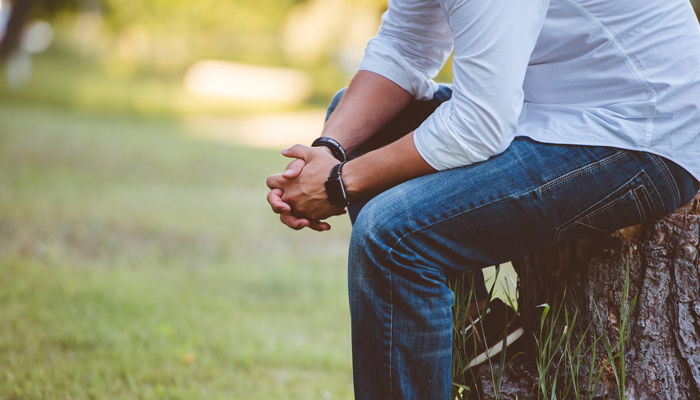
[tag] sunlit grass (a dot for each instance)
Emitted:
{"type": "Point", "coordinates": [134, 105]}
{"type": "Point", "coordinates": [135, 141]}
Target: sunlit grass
{"type": "Point", "coordinates": [136, 262]}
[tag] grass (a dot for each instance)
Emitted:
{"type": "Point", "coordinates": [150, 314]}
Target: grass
{"type": "Point", "coordinates": [556, 351]}
{"type": "Point", "coordinates": [498, 278]}
{"type": "Point", "coordinates": [559, 359]}
{"type": "Point", "coordinates": [137, 262]}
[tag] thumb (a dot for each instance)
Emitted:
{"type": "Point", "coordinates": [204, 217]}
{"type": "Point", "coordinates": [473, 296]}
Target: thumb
{"type": "Point", "coordinates": [293, 169]}
{"type": "Point", "coordinates": [297, 151]}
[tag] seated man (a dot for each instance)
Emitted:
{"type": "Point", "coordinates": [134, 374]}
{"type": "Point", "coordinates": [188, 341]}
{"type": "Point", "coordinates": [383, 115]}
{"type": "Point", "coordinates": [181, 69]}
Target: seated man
{"type": "Point", "coordinates": [567, 118]}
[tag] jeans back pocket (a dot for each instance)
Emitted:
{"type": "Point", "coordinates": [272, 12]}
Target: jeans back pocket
{"type": "Point", "coordinates": [631, 204]}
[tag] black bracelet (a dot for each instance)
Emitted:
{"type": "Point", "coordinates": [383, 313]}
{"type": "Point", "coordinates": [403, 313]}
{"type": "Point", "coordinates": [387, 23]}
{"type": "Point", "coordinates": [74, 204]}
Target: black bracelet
{"type": "Point", "coordinates": [336, 149]}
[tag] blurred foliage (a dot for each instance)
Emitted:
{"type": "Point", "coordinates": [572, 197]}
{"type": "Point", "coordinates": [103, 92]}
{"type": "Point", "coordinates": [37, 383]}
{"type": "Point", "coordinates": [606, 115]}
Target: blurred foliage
{"type": "Point", "coordinates": [126, 42]}
{"type": "Point", "coordinates": [236, 29]}
{"type": "Point", "coordinates": [202, 15]}
{"type": "Point", "coordinates": [50, 8]}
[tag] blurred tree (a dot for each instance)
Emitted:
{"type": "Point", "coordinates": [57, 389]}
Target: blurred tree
{"type": "Point", "coordinates": [13, 33]}
{"type": "Point", "coordinates": [21, 11]}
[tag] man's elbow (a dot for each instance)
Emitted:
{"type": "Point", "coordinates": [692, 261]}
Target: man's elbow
{"type": "Point", "coordinates": [496, 137]}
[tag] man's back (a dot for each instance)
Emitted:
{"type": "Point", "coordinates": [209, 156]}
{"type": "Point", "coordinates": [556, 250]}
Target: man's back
{"type": "Point", "coordinates": [603, 66]}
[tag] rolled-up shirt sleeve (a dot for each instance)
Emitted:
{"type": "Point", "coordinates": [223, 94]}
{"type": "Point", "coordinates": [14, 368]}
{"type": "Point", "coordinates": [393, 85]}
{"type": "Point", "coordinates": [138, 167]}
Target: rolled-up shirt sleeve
{"type": "Point", "coordinates": [412, 45]}
{"type": "Point", "coordinates": [493, 41]}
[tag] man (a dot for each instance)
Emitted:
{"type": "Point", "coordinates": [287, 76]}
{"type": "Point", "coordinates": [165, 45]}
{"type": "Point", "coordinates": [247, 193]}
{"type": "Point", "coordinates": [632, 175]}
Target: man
{"type": "Point", "coordinates": [567, 118]}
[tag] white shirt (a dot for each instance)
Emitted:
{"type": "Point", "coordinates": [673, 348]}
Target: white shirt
{"type": "Point", "coordinates": [621, 73]}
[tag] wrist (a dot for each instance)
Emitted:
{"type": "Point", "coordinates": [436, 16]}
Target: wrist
{"type": "Point", "coordinates": [335, 187]}
{"type": "Point", "coordinates": [353, 189]}
{"type": "Point", "coordinates": [327, 150]}
{"type": "Point", "coordinates": [333, 145]}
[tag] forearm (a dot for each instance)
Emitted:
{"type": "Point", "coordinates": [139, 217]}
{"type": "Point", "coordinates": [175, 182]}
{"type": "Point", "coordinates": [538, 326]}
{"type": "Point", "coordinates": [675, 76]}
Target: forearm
{"type": "Point", "coordinates": [384, 168]}
{"type": "Point", "coordinates": [368, 104]}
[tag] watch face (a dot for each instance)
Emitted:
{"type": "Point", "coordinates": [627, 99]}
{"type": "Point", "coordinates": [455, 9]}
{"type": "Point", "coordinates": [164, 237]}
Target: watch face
{"type": "Point", "coordinates": [336, 193]}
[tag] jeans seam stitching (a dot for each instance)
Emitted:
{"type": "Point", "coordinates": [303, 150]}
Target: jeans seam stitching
{"type": "Point", "coordinates": [638, 203]}
{"type": "Point", "coordinates": [641, 202]}
{"type": "Point", "coordinates": [649, 198]}
{"type": "Point", "coordinates": [571, 222]}
{"type": "Point", "coordinates": [607, 206]}
{"type": "Point", "coordinates": [583, 170]}
{"type": "Point", "coordinates": [667, 175]}
{"type": "Point", "coordinates": [391, 334]}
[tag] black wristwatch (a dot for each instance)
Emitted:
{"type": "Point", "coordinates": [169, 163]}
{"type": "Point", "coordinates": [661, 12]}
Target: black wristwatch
{"type": "Point", "coordinates": [336, 149]}
{"type": "Point", "coordinates": [335, 190]}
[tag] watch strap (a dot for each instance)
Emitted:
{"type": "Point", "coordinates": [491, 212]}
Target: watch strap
{"type": "Point", "coordinates": [335, 171]}
{"type": "Point", "coordinates": [335, 190]}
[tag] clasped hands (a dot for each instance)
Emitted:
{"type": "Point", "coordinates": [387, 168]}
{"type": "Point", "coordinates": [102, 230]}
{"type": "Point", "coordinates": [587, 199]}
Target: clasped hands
{"type": "Point", "coordinates": [298, 194]}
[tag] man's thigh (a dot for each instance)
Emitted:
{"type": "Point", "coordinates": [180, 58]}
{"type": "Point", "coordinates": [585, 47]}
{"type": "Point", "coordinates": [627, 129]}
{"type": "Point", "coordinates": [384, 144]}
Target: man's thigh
{"type": "Point", "coordinates": [531, 196]}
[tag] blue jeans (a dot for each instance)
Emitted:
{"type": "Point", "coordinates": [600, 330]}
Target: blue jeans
{"type": "Point", "coordinates": [409, 239]}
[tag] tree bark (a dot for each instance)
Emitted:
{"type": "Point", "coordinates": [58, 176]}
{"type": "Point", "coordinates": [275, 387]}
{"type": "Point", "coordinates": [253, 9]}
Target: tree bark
{"type": "Point", "coordinates": [13, 33]}
{"type": "Point", "coordinates": [662, 345]}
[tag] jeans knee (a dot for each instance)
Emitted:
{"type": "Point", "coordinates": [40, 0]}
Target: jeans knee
{"type": "Point", "coordinates": [364, 235]}
{"type": "Point", "coordinates": [334, 103]}
{"type": "Point", "coordinates": [387, 246]}
{"type": "Point", "coordinates": [380, 227]}
{"type": "Point", "coordinates": [370, 233]}
{"type": "Point", "coordinates": [370, 247]}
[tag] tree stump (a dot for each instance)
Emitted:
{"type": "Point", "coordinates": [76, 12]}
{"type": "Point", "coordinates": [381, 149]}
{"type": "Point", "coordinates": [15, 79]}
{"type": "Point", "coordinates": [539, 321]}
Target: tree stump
{"type": "Point", "coordinates": [662, 346]}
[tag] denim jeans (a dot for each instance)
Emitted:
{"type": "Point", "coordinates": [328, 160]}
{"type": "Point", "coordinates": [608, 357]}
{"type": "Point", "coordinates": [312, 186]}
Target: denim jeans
{"type": "Point", "coordinates": [408, 240]}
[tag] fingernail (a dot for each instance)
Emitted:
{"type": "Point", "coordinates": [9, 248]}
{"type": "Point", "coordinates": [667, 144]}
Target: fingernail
{"type": "Point", "coordinates": [285, 150]}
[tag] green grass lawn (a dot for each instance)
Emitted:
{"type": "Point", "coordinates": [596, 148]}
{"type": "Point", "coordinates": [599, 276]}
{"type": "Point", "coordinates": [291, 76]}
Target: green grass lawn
{"type": "Point", "coordinates": [139, 262]}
